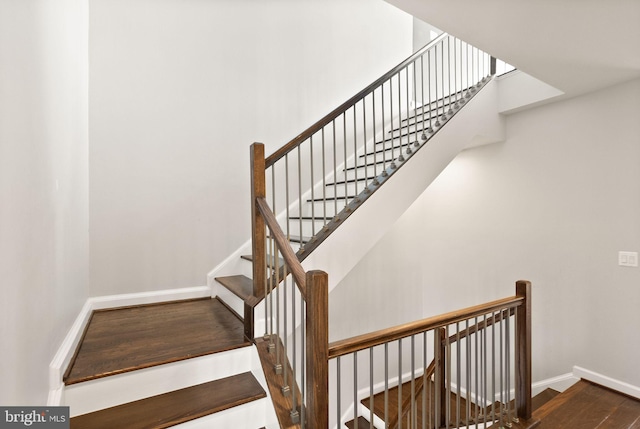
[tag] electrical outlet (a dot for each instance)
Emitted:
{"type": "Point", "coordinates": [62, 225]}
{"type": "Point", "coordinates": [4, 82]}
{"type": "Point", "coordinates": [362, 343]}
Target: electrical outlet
{"type": "Point", "coordinates": [628, 259]}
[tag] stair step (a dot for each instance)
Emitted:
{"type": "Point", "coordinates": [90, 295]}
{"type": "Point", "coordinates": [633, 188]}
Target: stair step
{"type": "Point", "coordinates": [176, 407]}
{"type": "Point", "coordinates": [362, 424]}
{"type": "Point", "coordinates": [381, 150]}
{"type": "Point", "coordinates": [240, 285]}
{"type": "Point", "coordinates": [543, 397]}
{"type": "Point", "coordinates": [131, 338]}
{"type": "Point", "coordinates": [296, 238]}
{"type": "Point", "coordinates": [269, 260]}
{"type": "Point", "coordinates": [342, 182]}
{"type": "Point", "coordinates": [586, 405]}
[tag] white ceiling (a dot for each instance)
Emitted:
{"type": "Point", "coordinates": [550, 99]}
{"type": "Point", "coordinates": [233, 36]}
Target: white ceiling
{"type": "Point", "coordinates": [577, 46]}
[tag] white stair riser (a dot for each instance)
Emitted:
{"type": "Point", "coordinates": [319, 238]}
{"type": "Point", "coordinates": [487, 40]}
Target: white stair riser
{"type": "Point", "coordinates": [245, 416]}
{"type": "Point", "coordinates": [118, 389]}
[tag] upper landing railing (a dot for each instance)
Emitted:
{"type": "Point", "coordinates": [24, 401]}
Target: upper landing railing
{"type": "Point", "coordinates": [319, 178]}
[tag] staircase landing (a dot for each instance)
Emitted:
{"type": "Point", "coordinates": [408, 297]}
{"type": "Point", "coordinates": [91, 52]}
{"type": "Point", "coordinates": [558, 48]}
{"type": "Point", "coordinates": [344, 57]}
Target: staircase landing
{"type": "Point", "coordinates": [131, 338]}
{"type": "Point", "coordinates": [589, 406]}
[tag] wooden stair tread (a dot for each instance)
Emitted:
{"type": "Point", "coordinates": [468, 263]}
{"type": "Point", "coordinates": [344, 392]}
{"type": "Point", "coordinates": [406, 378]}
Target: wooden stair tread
{"type": "Point", "coordinates": [296, 238]}
{"type": "Point", "coordinates": [543, 397]}
{"type": "Point", "coordinates": [176, 407]}
{"type": "Point", "coordinates": [131, 338]}
{"type": "Point", "coordinates": [379, 403]}
{"type": "Point", "coordinates": [362, 424]}
{"type": "Point", "coordinates": [240, 285]}
{"type": "Point", "coordinates": [587, 405]}
{"type": "Point", "coordinates": [269, 260]}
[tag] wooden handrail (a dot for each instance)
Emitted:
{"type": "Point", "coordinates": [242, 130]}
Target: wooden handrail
{"type": "Point", "coordinates": [365, 341]}
{"type": "Point", "coordinates": [477, 328]}
{"type": "Point", "coordinates": [271, 159]}
{"type": "Point", "coordinates": [289, 256]}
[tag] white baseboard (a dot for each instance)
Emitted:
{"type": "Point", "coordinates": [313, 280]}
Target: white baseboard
{"type": "Point", "coordinates": [65, 352]}
{"type": "Point", "coordinates": [152, 297]}
{"type": "Point", "coordinates": [559, 383]}
{"type": "Point", "coordinates": [64, 355]}
{"type": "Point", "coordinates": [611, 383]}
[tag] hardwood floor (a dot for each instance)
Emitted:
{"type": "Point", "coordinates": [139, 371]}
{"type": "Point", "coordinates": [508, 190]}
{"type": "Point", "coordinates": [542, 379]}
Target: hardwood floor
{"type": "Point", "coordinates": [588, 406]}
{"type": "Point", "coordinates": [126, 339]}
{"type": "Point", "coordinates": [175, 407]}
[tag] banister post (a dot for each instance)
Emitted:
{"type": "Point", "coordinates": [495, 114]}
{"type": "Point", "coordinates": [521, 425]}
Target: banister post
{"type": "Point", "coordinates": [440, 336]}
{"type": "Point", "coordinates": [258, 232]}
{"type": "Point", "coordinates": [493, 66]}
{"type": "Point", "coordinates": [317, 349]}
{"type": "Point", "coordinates": [523, 351]}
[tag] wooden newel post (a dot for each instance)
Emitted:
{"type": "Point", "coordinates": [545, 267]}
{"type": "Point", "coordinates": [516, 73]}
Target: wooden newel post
{"type": "Point", "coordinates": [441, 371]}
{"type": "Point", "coordinates": [523, 351]}
{"type": "Point", "coordinates": [258, 232]}
{"type": "Point", "coordinates": [317, 349]}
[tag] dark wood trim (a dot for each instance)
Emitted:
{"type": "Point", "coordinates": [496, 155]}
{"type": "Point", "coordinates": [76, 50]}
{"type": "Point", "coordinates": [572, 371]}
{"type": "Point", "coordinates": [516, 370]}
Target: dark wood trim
{"type": "Point", "coordinates": [441, 368]}
{"type": "Point", "coordinates": [317, 353]}
{"type": "Point", "coordinates": [176, 407]}
{"type": "Point", "coordinates": [283, 245]}
{"type": "Point", "coordinates": [362, 342]}
{"type": "Point", "coordinates": [150, 304]}
{"type": "Point", "coordinates": [347, 104]}
{"type": "Point", "coordinates": [523, 351]}
{"type": "Point", "coordinates": [231, 310]}
{"type": "Point", "coordinates": [479, 327]}
{"type": "Point", "coordinates": [258, 229]}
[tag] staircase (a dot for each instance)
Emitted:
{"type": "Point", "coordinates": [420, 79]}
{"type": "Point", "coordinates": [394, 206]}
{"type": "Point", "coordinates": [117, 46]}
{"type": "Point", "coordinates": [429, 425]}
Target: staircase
{"type": "Point", "coordinates": [200, 363]}
{"type": "Point", "coordinates": [183, 363]}
{"type": "Point", "coordinates": [586, 405]}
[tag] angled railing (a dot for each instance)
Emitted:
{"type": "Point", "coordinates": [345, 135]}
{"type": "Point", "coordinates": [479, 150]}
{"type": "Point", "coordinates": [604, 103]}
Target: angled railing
{"type": "Point", "coordinates": [315, 181]}
{"type": "Point", "coordinates": [296, 317]}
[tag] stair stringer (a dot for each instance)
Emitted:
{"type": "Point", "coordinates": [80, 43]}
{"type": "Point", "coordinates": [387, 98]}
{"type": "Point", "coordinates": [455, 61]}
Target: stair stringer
{"type": "Point", "coordinates": [477, 123]}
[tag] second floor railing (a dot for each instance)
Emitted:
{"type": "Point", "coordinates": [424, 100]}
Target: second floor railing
{"type": "Point", "coordinates": [467, 368]}
{"type": "Point", "coordinates": [315, 181]}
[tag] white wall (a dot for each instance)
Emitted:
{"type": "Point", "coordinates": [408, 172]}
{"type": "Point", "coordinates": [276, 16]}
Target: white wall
{"type": "Point", "coordinates": [553, 204]}
{"type": "Point", "coordinates": [180, 89]}
{"type": "Point", "coordinates": [43, 187]}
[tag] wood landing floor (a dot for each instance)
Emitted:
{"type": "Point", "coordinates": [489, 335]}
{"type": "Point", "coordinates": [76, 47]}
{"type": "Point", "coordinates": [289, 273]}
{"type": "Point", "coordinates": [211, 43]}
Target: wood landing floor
{"type": "Point", "coordinates": [589, 406]}
{"type": "Point", "coordinates": [126, 339]}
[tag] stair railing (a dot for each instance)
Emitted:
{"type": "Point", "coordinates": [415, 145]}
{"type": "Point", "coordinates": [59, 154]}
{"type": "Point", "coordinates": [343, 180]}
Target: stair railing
{"type": "Point", "coordinates": [317, 180]}
{"type": "Point", "coordinates": [314, 182]}
{"type": "Point", "coordinates": [460, 369]}
{"type": "Point", "coordinates": [296, 322]}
